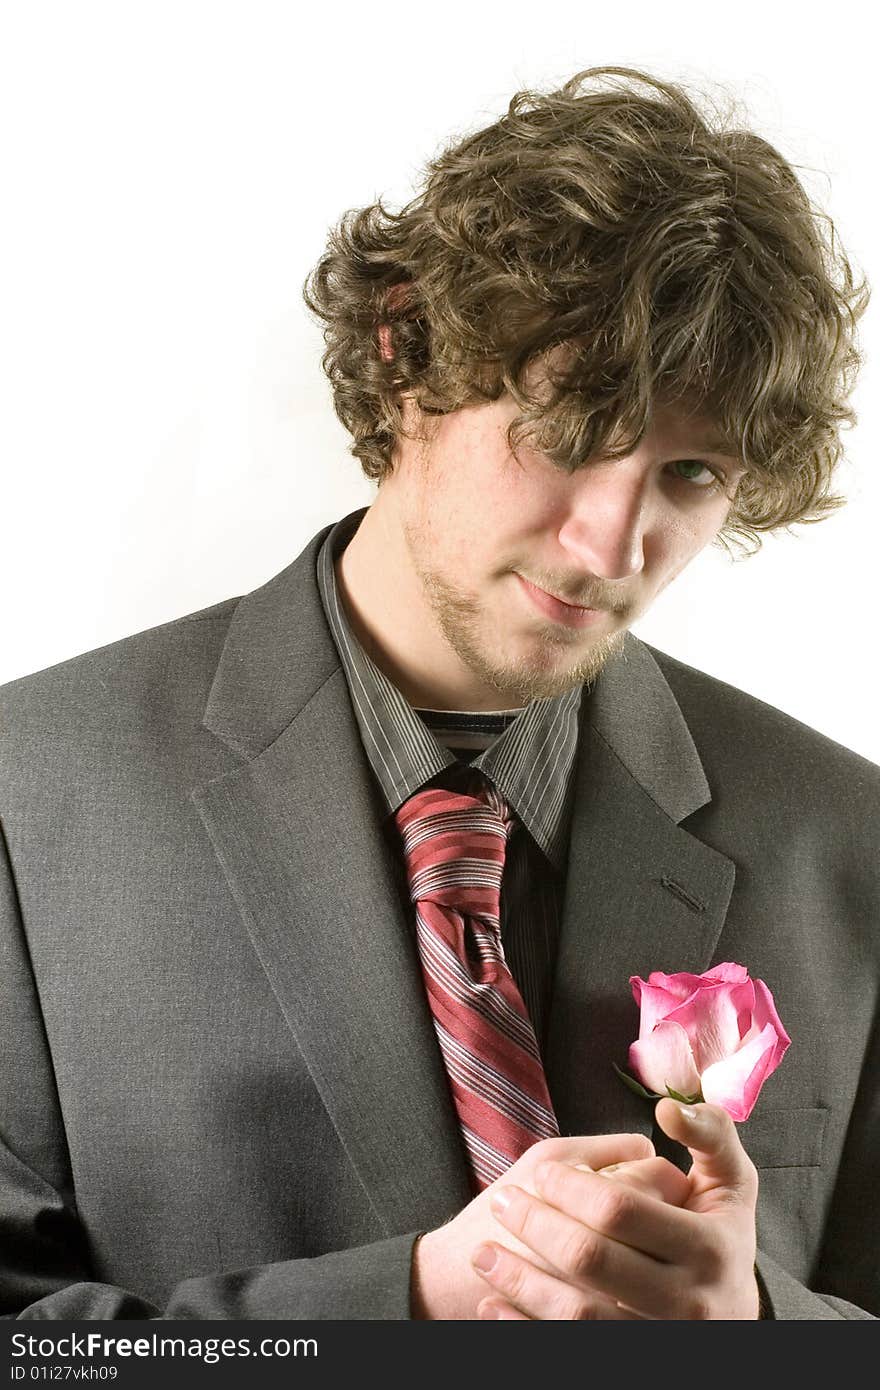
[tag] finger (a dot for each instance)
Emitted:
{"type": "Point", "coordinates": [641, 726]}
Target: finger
{"type": "Point", "coordinates": [499, 1308]}
{"type": "Point", "coordinates": [539, 1294]}
{"type": "Point", "coordinates": [559, 1240]}
{"type": "Point", "coordinates": [655, 1177]}
{"type": "Point", "coordinates": [593, 1151]}
{"type": "Point", "coordinates": [619, 1213]}
{"type": "Point", "coordinates": [722, 1170]}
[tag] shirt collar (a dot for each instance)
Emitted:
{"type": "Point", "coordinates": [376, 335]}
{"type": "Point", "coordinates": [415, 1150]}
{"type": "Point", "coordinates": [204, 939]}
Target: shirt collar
{"type": "Point", "coordinates": [531, 763]}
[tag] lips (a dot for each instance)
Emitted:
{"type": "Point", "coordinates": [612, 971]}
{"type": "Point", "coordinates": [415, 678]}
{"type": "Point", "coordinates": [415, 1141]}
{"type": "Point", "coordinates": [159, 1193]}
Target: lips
{"type": "Point", "coordinates": [578, 607]}
{"type": "Point", "coordinates": [558, 610]}
{"type": "Point", "coordinates": [583, 607]}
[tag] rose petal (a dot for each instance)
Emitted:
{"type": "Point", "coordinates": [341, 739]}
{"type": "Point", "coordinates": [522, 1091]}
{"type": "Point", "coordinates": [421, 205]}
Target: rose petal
{"type": "Point", "coordinates": [765, 1012]}
{"type": "Point", "coordinates": [730, 973]}
{"type": "Point", "coordinates": [659, 995]}
{"type": "Point", "coordinates": [735, 1082]}
{"type": "Point", "coordinates": [656, 1004]}
{"type": "Point", "coordinates": [665, 1060]}
{"type": "Point", "coordinates": [711, 1019]}
{"type": "Point", "coordinates": [679, 986]}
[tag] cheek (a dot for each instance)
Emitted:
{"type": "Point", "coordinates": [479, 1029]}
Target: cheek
{"type": "Point", "coordinates": [679, 542]}
{"type": "Point", "coordinates": [711, 523]}
{"type": "Point", "coordinates": [461, 539]}
{"type": "Point", "coordinates": [535, 497]}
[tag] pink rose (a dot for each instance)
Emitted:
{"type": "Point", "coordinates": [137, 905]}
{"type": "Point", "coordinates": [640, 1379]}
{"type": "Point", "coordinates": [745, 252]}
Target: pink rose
{"type": "Point", "coordinates": [715, 1037]}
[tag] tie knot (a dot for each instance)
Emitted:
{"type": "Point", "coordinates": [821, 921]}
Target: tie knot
{"type": "Point", "coordinates": [454, 844]}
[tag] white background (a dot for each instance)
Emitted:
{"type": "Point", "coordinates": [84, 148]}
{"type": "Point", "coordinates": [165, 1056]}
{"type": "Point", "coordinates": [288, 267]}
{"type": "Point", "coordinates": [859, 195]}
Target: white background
{"type": "Point", "coordinates": [169, 174]}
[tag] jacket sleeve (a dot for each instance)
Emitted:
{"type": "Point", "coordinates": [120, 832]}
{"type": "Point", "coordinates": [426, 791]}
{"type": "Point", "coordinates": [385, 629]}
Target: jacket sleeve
{"type": "Point", "coordinates": [782, 1297]}
{"type": "Point", "coordinates": [45, 1268]}
{"type": "Point", "coordinates": [370, 1282]}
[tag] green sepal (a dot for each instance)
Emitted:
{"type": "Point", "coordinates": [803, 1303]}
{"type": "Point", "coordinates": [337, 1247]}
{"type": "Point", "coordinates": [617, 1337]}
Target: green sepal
{"type": "Point", "coordinates": [639, 1090]}
{"type": "Point", "coordinates": [685, 1100]}
{"type": "Point", "coordinates": [634, 1085]}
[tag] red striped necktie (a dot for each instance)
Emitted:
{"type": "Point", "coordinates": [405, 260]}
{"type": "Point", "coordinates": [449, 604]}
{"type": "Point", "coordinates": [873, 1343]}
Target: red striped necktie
{"type": "Point", "coordinates": [454, 845]}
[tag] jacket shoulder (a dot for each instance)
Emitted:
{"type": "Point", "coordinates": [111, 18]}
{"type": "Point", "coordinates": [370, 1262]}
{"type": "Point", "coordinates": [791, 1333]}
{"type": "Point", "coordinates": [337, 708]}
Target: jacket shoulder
{"type": "Point", "coordinates": [157, 679]}
{"type": "Point", "coordinates": [730, 726]}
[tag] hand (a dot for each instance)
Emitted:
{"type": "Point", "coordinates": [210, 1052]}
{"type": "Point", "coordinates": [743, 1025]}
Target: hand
{"type": "Point", "coordinates": [595, 1244]}
{"type": "Point", "coordinates": [444, 1283]}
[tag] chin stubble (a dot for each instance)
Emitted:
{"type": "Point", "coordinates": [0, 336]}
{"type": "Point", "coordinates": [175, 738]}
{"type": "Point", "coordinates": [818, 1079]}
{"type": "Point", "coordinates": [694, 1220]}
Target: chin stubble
{"type": "Point", "coordinates": [523, 678]}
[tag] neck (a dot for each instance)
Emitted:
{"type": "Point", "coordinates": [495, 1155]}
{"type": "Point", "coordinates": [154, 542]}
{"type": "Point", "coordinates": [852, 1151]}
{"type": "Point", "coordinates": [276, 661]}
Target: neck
{"type": "Point", "coordinates": [389, 614]}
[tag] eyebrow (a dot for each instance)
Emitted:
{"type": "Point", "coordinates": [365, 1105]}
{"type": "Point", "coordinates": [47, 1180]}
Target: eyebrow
{"type": "Point", "coordinates": [717, 444]}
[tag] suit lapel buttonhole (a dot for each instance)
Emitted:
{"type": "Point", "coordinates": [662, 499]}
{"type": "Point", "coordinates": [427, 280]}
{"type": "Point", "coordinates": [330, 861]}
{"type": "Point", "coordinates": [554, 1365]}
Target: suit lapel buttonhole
{"type": "Point", "coordinates": [695, 904]}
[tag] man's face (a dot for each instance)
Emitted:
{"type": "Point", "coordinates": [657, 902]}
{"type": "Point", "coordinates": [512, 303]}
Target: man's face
{"type": "Point", "coordinates": [486, 532]}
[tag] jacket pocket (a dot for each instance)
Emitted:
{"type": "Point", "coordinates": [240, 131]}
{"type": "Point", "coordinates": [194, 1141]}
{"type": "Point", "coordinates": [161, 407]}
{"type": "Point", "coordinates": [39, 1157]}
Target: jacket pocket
{"type": "Point", "coordinates": [785, 1138]}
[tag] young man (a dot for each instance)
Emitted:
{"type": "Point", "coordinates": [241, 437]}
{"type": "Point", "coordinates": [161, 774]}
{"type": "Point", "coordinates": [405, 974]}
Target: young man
{"type": "Point", "coordinates": [319, 907]}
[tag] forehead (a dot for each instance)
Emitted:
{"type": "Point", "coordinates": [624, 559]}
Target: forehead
{"type": "Point", "coordinates": [679, 425]}
{"type": "Point", "coordinates": [680, 421]}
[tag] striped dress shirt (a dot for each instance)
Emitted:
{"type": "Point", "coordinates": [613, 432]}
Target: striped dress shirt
{"type": "Point", "coordinates": [529, 755]}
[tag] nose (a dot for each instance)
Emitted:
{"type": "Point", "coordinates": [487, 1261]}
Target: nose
{"type": "Point", "coordinates": [604, 529]}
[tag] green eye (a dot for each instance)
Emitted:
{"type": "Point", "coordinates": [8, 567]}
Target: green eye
{"type": "Point", "coordinates": [690, 469]}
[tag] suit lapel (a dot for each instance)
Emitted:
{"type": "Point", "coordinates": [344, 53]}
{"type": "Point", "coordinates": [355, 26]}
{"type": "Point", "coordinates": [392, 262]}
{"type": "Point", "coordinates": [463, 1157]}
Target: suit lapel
{"type": "Point", "coordinates": [642, 893]}
{"type": "Point", "coordinates": [295, 828]}
{"type": "Point", "coordinates": [296, 831]}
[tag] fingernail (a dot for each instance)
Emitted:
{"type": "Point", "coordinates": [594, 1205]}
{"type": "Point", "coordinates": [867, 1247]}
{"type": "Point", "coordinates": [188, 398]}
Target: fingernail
{"type": "Point", "coordinates": [483, 1258]}
{"type": "Point", "coordinates": [609, 1168]}
{"type": "Point", "coordinates": [689, 1112]}
{"type": "Point", "coordinates": [500, 1200]}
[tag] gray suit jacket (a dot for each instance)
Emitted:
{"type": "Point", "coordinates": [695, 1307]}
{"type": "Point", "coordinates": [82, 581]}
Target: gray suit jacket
{"type": "Point", "coordinates": [221, 1093]}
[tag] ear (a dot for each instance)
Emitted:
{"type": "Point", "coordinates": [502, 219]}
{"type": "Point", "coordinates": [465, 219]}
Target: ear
{"type": "Point", "coordinates": [414, 422]}
{"type": "Point", "coordinates": [395, 302]}
{"type": "Point", "coordinates": [386, 351]}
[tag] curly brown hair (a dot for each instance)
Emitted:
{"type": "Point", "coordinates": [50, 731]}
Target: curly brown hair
{"type": "Point", "coordinates": [677, 260]}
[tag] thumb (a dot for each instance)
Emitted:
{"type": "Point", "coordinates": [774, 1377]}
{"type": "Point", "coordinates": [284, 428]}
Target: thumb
{"type": "Point", "coordinates": [721, 1170]}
